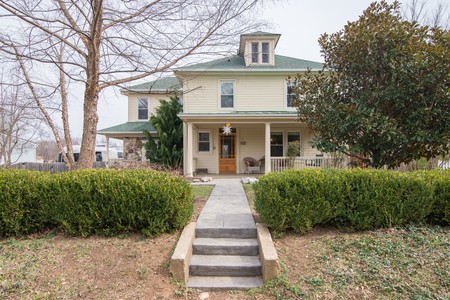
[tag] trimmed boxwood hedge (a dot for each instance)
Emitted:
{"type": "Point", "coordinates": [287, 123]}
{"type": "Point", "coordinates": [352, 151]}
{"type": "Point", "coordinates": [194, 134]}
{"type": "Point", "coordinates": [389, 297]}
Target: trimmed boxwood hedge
{"type": "Point", "coordinates": [88, 202]}
{"type": "Point", "coordinates": [356, 199]}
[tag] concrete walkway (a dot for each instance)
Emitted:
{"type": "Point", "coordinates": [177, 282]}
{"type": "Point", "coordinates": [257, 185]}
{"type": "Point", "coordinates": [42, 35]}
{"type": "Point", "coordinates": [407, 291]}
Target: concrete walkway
{"type": "Point", "coordinates": [225, 249]}
{"type": "Point", "coordinates": [227, 212]}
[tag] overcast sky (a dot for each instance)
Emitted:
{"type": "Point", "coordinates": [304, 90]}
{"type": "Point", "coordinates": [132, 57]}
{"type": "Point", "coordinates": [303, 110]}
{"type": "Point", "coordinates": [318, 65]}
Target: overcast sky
{"type": "Point", "coordinates": [300, 23]}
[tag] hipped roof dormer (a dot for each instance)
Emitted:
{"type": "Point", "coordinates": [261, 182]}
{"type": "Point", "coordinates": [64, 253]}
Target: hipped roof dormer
{"type": "Point", "coordinates": [258, 48]}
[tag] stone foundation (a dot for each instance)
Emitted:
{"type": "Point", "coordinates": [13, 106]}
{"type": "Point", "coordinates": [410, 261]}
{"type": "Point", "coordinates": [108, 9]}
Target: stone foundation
{"type": "Point", "coordinates": [132, 149]}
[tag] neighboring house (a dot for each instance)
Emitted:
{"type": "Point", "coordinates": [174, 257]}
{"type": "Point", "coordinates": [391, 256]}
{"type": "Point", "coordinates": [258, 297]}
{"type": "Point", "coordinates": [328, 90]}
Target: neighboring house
{"type": "Point", "coordinates": [143, 99]}
{"type": "Point", "coordinates": [234, 108]}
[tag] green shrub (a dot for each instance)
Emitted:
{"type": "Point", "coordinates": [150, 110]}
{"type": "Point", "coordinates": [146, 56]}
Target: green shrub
{"type": "Point", "coordinates": [441, 208]}
{"type": "Point", "coordinates": [21, 195]}
{"type": "Point", "coordinates": [106, 202]}
{"type": "Point", "coordinates": [359, 199]}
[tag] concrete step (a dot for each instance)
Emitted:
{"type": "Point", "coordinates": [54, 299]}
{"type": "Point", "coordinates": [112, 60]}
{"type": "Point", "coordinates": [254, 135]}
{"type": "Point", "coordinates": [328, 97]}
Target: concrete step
{"type": "Point", "coordinates": [224, 265]}
{"type": "Point", "coordinates": [224, 282]}
{"type": "Point", "coordinates": [234, 233]}
{"type": "Point", "coordinates": [209, 246]}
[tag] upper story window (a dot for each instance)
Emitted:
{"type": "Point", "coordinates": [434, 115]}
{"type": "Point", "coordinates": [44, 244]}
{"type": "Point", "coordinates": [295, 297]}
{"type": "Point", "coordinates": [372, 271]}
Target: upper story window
{"type": "Point", "coordinates": [226, 94]}
{"type": "Point", "coordinates": [255, 52]}
{"type": "Point", "coordinates": [143, 109]}
{"type": "Point", "coordinates": [265, 53]}
{"type": "Point", "coordinates": [260, 52]}
{"type": "Point", "coordinates": [290, 93]}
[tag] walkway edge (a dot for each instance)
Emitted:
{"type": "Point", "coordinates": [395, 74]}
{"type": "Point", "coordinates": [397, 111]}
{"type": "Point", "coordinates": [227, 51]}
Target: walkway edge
{"type": "Point", "coordinates": [267, 253]}
{"type": "Point", "coordinates": [179, 262]}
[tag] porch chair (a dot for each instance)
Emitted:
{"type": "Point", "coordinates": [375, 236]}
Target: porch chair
{"type": "Point", "coordinates": [252, 165]}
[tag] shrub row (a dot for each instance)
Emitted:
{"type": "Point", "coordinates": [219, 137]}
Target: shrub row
{"type": "Point", "coordinates": [89, 202]}
{"type": "Point", "coordinates": [356, 199]}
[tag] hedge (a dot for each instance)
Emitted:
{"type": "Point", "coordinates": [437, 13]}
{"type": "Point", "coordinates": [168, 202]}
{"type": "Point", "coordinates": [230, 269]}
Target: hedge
{"type": "Point", "coordinates": [356, 199]}
{"type": "Point", "coordinates": [86, 202]}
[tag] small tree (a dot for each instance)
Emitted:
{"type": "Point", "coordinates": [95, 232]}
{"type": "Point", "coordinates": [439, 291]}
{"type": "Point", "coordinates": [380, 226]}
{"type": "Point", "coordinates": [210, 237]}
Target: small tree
{"type": "Point", "coordinates": [167, 148]}
{"type": "Point", "coordinates": [385, 97]}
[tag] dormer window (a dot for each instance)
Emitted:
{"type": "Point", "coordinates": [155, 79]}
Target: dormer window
{"type": "Point", "coordinates": [260, 52]}
{"type": "Point", "coordinates": [255, 52]}
{"type": "Point", "coordinates": [265, 53]}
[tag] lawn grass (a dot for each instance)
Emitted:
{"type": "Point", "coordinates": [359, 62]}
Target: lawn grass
{"type": "Point", "coordinates": [202, 192]}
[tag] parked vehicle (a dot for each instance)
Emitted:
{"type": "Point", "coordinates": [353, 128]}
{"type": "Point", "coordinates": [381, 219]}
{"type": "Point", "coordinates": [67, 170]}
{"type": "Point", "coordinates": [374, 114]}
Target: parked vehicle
{"type": "Point", "coordinates": [100, 153]}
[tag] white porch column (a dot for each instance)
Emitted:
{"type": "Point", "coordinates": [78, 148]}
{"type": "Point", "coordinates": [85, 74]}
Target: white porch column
{"type": "Point", "coordinates": [107, 152]}
{"type": "Point", "coordinates": [184, 147]}
{"type": "Point", "coordinates": [267, 150]}
{"type": "Point", "coordinates": [189, 158]}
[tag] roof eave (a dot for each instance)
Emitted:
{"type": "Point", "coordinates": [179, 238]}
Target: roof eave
{"type": "Point", "coordinates": [245, 70]}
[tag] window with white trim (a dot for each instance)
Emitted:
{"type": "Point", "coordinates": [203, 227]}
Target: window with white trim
{"type": "Point", "coordinates": [204, 141]}
{"type": "Point", "coordinates": [276, 144]}
{"type": "Point", "coordinates": [290, 93]}
{"type": "Point", "coordinates": [226, 94]}
{"type": "Point", "coordinates": [255, 52]}
{"type": "Point", "coordinates": [142, 109]}
{"type": "Point", "coordinates": [265, 53]}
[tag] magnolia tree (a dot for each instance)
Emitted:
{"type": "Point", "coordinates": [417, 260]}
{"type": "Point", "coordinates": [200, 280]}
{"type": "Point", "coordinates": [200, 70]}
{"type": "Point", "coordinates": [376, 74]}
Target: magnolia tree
{"type": "Point", "coordinates": [383, 96]}
{"type": "Point", "coordinates": [96, 44]}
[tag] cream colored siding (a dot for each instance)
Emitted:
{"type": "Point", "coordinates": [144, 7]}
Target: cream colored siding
{"type": "Point", "coordinates": [252, 93]}
{"type": "Point", "coordinates": [251, 140]}
{"type": "Point", "coordinates": [153, 103]}
{"type": "Point", "coordinates": [208, 160]}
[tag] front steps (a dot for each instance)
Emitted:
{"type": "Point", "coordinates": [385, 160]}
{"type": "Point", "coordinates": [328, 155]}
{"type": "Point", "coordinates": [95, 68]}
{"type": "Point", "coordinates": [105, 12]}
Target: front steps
{"type": "Point", "coordinates": [225, 261]}
{"type": "Point", "coordinates": [225, 249]}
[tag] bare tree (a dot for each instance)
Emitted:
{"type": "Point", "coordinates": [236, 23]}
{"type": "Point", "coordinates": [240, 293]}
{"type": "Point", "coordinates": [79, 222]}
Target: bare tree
{"type": "Point", "coordinates": [19, 119]}
{"type": "Point", "coordinates": [103, 43]}
{"type": "Point", "coordinates": [419, 11]}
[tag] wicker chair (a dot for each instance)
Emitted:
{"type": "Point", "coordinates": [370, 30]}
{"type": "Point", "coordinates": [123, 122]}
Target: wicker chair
{"type": "Point", "coordinates": [252, 165]}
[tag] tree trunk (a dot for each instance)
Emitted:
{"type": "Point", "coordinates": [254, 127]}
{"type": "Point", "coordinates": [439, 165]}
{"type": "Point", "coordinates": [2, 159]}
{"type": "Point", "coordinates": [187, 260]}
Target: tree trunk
{"type": "Point", "coordinates": [90, 117]}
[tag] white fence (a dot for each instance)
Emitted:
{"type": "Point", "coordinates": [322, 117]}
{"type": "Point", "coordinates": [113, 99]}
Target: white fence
{"type": "Point", "coordinates": [279, 164]}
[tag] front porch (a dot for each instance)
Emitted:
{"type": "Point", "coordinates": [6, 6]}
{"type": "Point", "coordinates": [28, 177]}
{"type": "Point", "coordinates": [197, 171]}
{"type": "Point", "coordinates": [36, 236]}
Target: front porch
{"type": "Point", "coordinates": [222, 145]}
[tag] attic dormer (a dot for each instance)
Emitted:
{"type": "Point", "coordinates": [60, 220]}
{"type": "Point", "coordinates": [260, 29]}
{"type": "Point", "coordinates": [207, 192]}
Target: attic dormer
{"type": "Point", "coordinates": [258, 48]}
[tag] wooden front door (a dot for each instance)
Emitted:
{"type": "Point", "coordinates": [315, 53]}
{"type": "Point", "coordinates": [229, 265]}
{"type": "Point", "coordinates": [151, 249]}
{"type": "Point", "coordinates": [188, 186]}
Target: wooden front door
{"type": "Point", "coordinates": [227, 154]}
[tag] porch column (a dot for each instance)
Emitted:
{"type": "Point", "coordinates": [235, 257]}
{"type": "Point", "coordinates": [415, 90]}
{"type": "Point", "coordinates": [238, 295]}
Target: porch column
{"type": "Point", "coordinates": [267, 150]}
{"type": "Point", "coordinates": [188, 172]}
{"type": "Point", "coordinates": [107, 152]}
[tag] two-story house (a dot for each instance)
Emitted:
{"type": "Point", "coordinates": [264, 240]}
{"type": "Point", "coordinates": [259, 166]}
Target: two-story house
{"type": "Point", "coordinates": [235, 108]}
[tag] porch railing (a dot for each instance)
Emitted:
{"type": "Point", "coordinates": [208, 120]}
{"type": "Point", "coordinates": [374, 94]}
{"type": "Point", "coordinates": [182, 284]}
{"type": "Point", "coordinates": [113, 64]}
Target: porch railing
{"type": "Point", "coordinates": [279, 164]}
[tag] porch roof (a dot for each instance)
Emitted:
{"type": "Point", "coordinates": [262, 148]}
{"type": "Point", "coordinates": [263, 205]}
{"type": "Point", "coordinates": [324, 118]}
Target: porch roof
{"type": "Point", "coordinates": [131, 129]}
{"type": "Point", "coordinates": [258, 116]}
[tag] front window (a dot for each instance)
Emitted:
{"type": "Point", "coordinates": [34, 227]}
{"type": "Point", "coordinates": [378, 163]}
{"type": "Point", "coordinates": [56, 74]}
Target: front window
{"type": "Point", "coordinates": [226, 94]}
{"type": "Point", "coordinates": [255, 52]}
{"type": "Point", "coordinates": [265, 53]}
{"type": "Point", "coordinates": [143, 109]}
{"type": "Point", "coordinates": [204, 141]}
{"type": "Point", "coordinates": [276, 144]}
{"type": "Point", "coordinates": [290, 94]}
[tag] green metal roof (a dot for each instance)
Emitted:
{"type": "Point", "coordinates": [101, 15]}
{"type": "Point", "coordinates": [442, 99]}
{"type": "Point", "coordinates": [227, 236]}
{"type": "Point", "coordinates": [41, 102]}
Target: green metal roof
{"type": "Point", "coordinates": [129, 127]}
{"type": "Point", "coordinates": [273, 112]}
{"type": "Point", "coordinates": [237, 63]}
{"type": "Point", "coordinates": [260, 33]}
{"type": "Point", "coordinates": [162, 85]}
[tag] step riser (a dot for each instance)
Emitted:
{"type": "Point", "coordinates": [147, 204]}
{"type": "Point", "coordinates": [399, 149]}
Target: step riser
{"type": "Point", "coordinates": [220, 250]}
{"type": "Point", "coordinates": [236, 233]}
{"type": "Point", "coordinates": [221, 283]}
{"type": "Point", "coordinates": [224, 271]}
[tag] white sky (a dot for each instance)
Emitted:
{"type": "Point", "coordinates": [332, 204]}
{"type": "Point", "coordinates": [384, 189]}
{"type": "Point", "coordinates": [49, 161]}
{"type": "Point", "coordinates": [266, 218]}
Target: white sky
{"type": "Point", "coordinates": [300, 23]}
